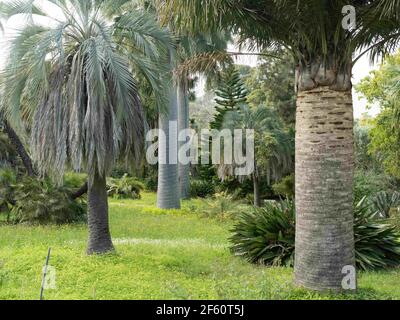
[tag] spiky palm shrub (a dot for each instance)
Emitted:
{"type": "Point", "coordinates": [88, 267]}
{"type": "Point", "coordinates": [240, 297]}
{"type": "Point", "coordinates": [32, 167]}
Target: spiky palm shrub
{"type": "Point", "coordinates": [74, 75]}
{"type": "Point", "coordinates": [383, 202]}
{"type": "Point", "coordinates": [267, 236]}
{"type": "Point", "coordinates": [377, 241]}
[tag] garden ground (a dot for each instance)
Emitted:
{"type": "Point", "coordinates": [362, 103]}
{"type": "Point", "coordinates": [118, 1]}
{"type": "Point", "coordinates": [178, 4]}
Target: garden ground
{"type": "Point", "coordinates": [178, 254]}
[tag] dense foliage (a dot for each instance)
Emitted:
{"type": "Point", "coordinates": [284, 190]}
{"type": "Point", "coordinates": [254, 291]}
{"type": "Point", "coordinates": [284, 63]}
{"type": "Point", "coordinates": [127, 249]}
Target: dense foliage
{"type": "Point", "coordinates": [201, 188]}
{"type": "Point", "coordinates": [267, 236]}
{"type": "Point", "coordinates": [230, 94]}
{"type": "Point", "coordinates": [124, 188]}
{"type": "Point", "coordinates": [38, 201]}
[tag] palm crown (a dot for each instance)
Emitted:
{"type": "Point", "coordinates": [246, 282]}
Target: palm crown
{"type": "Point", "coordinates": [75, 77]}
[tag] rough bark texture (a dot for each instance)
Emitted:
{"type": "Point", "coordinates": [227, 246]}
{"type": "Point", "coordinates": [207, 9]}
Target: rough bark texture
{"type": "Point", "coordinates": [183, 124]}
{"type": "Point", "coordinates": [19, 147]}
{"type": "Point", "coordinates": [324, 187]}
{"type": "Point", "coordinates": [99, 232]}
{"type": "Point", "coordinates": [168, 176]}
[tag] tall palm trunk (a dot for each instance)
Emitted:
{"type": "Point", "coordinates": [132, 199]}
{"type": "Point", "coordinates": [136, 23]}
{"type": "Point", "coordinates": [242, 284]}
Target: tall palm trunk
{"type": "Point", "coordinates": [324, 182]}
{"type": "Point", "coordinates": [183, 124]}
{"type": "Point", "coordinates": [168, 176]}
{"type": "Point", "coordinates": [99, 232]}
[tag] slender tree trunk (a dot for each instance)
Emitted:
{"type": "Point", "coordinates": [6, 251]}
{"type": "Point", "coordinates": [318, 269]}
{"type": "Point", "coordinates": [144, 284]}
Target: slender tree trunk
{"type": "Point", "coordinates": [99, 232]}
{"type": "Point", "coordinates": [19, 147]}
{"type": "Point", "coordinates": [168, 196]}
{"type": "Point", "coordinates": [183, 120]}
{"type": "Point", "coordinates": [257, 196]}
{"type": "Point", "coordinates": [324, 187]}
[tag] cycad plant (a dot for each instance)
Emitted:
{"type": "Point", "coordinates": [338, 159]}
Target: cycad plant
{"type": "Point", "coordinates": [72, 70]}
{"type": "Point", "coordinates": [324, 43]}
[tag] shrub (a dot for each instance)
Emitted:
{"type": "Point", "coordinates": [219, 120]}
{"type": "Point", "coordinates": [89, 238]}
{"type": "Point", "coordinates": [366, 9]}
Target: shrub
{"type": "Point", "coordinates": [377, 241]}
{"type": "Point", "coordinates": [222, 206]}
{"type": "Point", "coordinates": [74, 180]}
{"type": "Point", "coordinates": [267, 236]}
{"type": "Point", "coordinates": [201, 189]}
{"type": "Point", "coordinates": [151, 183]}
{"type": "Point", "coordinates": [383, 202]}
{"type": "Point", "coordinates": [285, 187]}
{"type": "Point", "coordinates": [8, 180]}
{"type": "Point", "coordinates": [368, 183]}
{"type": "Point", "coordinates": [41, 202]}
{"type": "Point", "coordinates": [124, 188]}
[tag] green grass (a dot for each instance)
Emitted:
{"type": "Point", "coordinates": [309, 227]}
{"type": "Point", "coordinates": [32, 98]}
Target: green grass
{"type": "Point", "coordinates": [160, 255]}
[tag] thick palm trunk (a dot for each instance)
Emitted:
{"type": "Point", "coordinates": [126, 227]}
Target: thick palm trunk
{"type": "Point", "coordinates": [99, 232]}
{"type": "Point", "coordinates": [168, 176]}
{"type": "Point", "coordinates": [183, 124]}
{"type": "Point", "coordinates": [324, 187]}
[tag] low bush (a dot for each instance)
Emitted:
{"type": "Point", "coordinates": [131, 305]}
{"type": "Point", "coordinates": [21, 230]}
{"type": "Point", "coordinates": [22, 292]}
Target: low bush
{"type": "Point", "coordinates": [267, 236]}
{"type": "Point", "coordinates": [42, 202]}
{"type": "Point", "coordinates": [74, 180]}
{"type": "Point", "coordinates": [151, 183]}
{"type": "Point", "coordinates": [222, 206]}
{"type": "Point", "coordinates": [35, 201]}
{"type": "Point", "coordinates": [285, 187]}
{"type": "Point", "coordinates": [201, 189]}
{"type": "Point", "coordinates": [124, 188]}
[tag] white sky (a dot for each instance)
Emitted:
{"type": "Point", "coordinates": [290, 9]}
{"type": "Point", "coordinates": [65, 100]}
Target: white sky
{"type": "Point", "coordinates": [360, 70]}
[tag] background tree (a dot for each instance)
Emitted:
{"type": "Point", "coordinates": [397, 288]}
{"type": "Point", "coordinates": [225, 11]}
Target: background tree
{"type": "Point", "coordinates": [381, 87]}
{"type": "Point", "coordinates": [230, 94]}
{"type": "Point", "coordinates": [273, 82]}
{"type": "Point", "coordinates": [75, 76]}
{"type": "Point", "coordinates": [273, 146]}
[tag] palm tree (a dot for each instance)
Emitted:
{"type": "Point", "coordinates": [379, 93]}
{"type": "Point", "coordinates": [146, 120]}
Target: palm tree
{"type": "Point", "coordinates": [272, 156]}
{"type": "Point", "coordinates": [74, 76]}
{"type": "Point", "coordinates": [312, 30]}
{"type": "Point", "coordinates": [196, 54]}
{"type": "Point", "coordinates": [168, 195]}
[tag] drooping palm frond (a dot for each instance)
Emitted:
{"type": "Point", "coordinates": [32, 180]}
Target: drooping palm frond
{"type": "Point", "coordinates": [310, 29]}
{"type": "Point", "coordinates": [76, 79]}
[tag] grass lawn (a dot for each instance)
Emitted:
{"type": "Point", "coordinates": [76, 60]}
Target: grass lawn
{"type": "Point", "coordinates": [160, 255]}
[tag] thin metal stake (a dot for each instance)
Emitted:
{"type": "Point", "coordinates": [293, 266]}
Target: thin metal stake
{"type": "Point", "coordinates": [44, 274]}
